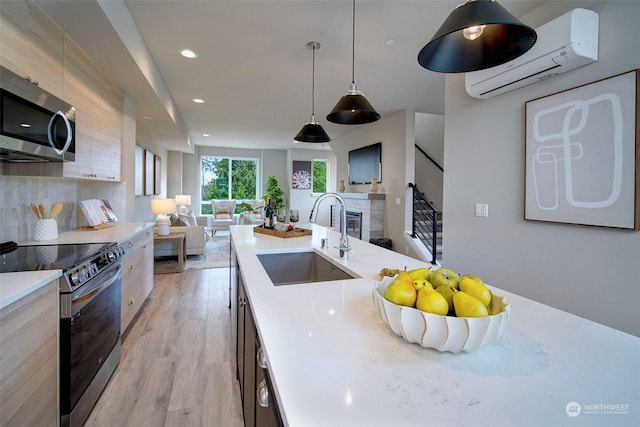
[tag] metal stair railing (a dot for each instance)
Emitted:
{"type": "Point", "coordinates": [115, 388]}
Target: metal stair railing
{"type": "Point", "coordinates": [425, 222]}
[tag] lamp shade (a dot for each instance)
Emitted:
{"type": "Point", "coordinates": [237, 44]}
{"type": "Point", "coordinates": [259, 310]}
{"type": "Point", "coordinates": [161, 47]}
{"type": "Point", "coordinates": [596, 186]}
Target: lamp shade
{"type": "Point", "coordinates": [183, 199]}
{"type": "Point", "coordinates": [353, 109]}
{"type": "Point", "coordinates": [312, 132]}
{"type": "Point", "coordinates": [478, 34]}
{"type": "Point", "coordinates": [163, 206]}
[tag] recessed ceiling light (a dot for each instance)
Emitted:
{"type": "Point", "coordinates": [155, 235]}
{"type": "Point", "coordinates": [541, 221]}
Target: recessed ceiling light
{"type": "Point", "coordinates": [146, 117]}
{"type": "Point", "coordinates": [25, 125]}
{"type": "Point", "coordinates": [188, 53]}
{"type": "Point", "coordinates": [390, 42]}
{"type": "Point", "coordinates": [198, 100]}
{"type": "Point", "coordinates": [205, 134]}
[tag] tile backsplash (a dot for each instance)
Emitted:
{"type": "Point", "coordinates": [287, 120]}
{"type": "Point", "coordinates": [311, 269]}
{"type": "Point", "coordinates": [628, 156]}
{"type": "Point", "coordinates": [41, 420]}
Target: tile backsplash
{"type": "Point", "coordinates": [17, 221]}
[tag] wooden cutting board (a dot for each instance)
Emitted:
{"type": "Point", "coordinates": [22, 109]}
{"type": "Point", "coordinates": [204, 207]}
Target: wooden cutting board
{"type": "Point", "coordinates": [296, 232]}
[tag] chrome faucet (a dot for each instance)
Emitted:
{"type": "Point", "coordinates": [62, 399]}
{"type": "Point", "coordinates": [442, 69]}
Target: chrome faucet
{"type": "Point", "coordinates": [344, 239]}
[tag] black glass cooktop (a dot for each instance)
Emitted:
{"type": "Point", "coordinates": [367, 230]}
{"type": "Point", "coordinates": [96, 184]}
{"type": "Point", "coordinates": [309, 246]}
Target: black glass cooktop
{"type": "Point", "coordinates": [47, 257]}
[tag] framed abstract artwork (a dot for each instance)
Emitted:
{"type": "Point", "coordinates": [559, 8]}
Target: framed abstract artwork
{"type": "Point", "coordinates": [582, 155]}
{"type": "Point", "coordinates": [301, 178]}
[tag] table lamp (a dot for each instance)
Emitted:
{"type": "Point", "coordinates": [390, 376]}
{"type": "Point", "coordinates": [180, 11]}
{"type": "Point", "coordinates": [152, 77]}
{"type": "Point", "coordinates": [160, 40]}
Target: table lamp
{"type": "Point", "coordinates": [163, 207]}
{"type": "Point", "coordinates": [183, 200]}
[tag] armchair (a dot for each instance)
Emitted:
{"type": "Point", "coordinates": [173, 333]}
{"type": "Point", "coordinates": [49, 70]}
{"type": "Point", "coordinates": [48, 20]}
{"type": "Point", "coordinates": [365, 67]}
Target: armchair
{"type": "Point", "coordinates": [222, 214]}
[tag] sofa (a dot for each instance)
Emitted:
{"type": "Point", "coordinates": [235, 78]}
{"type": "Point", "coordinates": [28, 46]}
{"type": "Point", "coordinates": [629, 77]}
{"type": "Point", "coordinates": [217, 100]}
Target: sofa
{"type": "Point", "coordinates": [195, 235]}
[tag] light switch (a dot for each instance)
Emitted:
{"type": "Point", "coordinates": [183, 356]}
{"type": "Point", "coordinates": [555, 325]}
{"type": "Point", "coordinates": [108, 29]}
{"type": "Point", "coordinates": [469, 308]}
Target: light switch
{"type": "Point", "coordinates": [398, 201]}
{"type": "Point", "coordinates": [482, 209]}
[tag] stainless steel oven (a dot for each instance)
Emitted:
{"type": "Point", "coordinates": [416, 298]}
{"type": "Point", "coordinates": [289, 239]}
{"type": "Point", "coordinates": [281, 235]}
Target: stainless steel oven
{"type": "Point", "coordinates": [35, 126]}
{"type": "Point", "coordinates": [89, 317]}
{"type": "Point", "coordinates": [89, 343]}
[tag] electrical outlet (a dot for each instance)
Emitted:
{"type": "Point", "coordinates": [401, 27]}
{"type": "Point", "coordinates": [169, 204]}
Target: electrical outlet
{"type": "Point", "coordinates": [482, 209]}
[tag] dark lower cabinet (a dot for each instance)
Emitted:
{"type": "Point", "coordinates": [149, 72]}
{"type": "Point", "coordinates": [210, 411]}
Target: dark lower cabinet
{"type": "Point", "coordinates": [258, 403]}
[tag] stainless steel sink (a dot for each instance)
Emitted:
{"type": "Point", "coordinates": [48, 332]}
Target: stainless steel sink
{"type": "Point", "coordinates": [287, 268]}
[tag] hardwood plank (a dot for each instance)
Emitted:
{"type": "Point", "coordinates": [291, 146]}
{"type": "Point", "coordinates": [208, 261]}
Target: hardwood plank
{"type": "Point", "coordinates": [176, 367]}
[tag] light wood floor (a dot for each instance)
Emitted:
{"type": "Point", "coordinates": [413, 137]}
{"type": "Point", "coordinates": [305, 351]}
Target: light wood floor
{"type": "Point", "coordinates": [176, 365]}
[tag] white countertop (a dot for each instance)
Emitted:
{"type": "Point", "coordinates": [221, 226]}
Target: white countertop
{"type": "Point", "coordinates": [114, 234]}
{"type": "Point", "coordinates": [14, 286]}
{"type": "Point", "coordinates": [334, 362]}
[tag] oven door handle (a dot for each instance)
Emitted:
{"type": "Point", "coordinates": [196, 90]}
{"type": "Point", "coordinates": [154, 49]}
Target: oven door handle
{"type": "Point", "coordinates": [105, 283]}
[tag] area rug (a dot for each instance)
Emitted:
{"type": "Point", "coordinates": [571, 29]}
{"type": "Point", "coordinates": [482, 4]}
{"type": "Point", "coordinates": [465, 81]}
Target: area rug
{"type": "Point", "coordinates": [216, 255]}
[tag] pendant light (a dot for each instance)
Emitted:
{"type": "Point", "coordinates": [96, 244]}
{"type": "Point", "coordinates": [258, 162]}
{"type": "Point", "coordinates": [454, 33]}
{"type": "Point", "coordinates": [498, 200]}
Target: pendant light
{"type": "Point", "coordinates": [312, 131]}
{"type": "Point", "coordinates": [353, 108]}
{"type": "Point", "coordinates": [478, 34]}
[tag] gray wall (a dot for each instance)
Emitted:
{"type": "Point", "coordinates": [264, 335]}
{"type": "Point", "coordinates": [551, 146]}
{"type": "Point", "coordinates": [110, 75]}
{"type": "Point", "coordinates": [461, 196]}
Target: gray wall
{"type": "Point", "coordinates": [589, 271]}
{"type": "Point", "coordinates": [395, 131]}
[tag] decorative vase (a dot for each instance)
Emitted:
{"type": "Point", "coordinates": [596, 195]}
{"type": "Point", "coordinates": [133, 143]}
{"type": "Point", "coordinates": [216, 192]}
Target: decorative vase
{"type": "Point", "coordinates": [341, 187]}
{"type": "Point", "coordinates": [247, 218]}
{"type": "Point", "coordinates": [373, 188]}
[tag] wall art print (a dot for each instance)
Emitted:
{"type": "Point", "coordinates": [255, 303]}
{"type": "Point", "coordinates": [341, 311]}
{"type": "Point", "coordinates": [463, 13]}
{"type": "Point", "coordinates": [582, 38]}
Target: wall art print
{"type": "Point", "coordinates": [582, 154]}
{"type": "Point", "coordinates": [301, 178]}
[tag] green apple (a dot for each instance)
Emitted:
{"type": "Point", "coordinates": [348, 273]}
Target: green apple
{"type": "Point", "coordinates": [444, 276]}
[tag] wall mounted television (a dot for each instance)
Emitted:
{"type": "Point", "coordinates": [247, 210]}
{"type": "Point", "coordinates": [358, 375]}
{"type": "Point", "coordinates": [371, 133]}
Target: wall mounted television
{"type": "Point", "coordinates": [365, 163]}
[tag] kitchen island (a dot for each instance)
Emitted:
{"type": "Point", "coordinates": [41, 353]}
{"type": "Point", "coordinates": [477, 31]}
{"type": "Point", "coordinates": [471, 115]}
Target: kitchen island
{"type": "Point", "coordinates": [333, 362]}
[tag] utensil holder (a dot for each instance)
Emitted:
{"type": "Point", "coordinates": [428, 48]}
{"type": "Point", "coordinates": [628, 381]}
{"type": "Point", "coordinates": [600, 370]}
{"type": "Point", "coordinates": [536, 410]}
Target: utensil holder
{"type": "Point", "coordinates": [46, 229]}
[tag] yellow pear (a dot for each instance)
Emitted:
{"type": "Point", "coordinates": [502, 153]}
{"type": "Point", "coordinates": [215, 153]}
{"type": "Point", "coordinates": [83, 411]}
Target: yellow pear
{"type": "Point", "coordinates": [467, 306]}
{"type": "Point", "coordinates": [447, 292]}
{"type": "Point", "coordinates": [401, 291]}
{"type": "Point", "coordinates": [475, 289]}
{"type": "Point", "coordinates": [432, 302]}
{"type": "Point", "coordinates": [421, 283]}
{"type": "Point", "coordinates": [420, 273]}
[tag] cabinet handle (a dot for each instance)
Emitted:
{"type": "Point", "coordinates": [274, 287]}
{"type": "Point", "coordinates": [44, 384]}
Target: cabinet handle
{"type": "Point", "coordinates": [261, 358]}
{"type": "Point", "coordinates": [262, 394]}
{"type": "Point", "coordinates": [131, 301]}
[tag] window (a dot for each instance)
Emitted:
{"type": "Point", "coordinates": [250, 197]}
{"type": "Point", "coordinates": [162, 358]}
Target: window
{"type": "Point", "coordinates": [320, 178]}
{"type": "Point", "coordinates": [227, 178]}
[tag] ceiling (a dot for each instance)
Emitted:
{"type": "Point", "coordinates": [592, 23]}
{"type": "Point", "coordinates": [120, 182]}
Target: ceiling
{"type": "Point", "coordinates": [253, 68]}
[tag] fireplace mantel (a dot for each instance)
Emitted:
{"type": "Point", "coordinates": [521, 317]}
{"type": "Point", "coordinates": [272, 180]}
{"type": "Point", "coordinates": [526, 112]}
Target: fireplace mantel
{"type": "Point", "coordinates": [367, 196]}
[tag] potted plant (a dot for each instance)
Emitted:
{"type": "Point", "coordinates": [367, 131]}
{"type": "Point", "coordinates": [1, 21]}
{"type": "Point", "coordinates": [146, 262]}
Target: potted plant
{"type": "Point", "coordinates": [274, 193]}
{"type": "Point", "coordinates": [246, 213]}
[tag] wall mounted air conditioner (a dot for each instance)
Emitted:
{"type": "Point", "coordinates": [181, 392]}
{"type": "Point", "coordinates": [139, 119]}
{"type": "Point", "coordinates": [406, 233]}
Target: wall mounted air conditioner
{"type": "Point", "coordinates": [565, 43]}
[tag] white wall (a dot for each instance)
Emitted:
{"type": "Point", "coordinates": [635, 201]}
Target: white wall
{"type": "Point", "coordinates": [395, 131]}
{"type": "Point", "coordinates": [430, 137]}
{"type": "Point", "coordinates": [303, 200]}
{"type": "Point", "coordinates": [589, 271]}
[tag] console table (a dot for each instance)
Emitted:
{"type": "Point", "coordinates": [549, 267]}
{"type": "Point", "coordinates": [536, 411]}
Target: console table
{"type": "Point", "coordinates": [181, 245]}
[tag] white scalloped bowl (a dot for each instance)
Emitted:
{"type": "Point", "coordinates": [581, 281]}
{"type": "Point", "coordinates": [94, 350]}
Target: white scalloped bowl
{"type": "Point", "coordinates": [443, 333]}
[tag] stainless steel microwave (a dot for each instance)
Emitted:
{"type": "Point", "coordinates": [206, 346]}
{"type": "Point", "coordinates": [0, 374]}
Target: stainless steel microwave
{"type": "Point", "coordinates": [35, 126]}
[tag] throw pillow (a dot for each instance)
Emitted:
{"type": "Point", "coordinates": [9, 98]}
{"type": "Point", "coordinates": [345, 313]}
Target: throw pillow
{"type": "Point", "coordinates": [257, 213]}
{"type": "Point", "coordinates": [193, 221]}
{"type": "Point", "coordinates": [174, 220]}
{"type": "Point", "coordinates": [222, 212]}
{"type": "Point", "coordinates": [188, 220]}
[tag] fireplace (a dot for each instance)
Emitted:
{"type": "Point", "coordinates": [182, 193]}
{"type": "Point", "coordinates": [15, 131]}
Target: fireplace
{"type": "Point", "coordinates": [354, 221]}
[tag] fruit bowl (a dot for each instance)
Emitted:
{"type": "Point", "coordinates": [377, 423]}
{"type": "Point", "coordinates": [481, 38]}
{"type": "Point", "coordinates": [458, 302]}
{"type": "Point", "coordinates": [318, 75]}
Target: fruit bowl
{"type": "Point", "coordinates": [443, 333]}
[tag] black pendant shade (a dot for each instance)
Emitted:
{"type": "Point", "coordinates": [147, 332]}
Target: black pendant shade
{"type": "Point", "coordinates": [499, 38]}
{"type": "Point", "coordinates": [312, 131]}
{"type": "Point", "coordinates": [353, 108]}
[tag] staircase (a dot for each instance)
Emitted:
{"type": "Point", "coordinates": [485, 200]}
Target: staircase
{"type": "Point", "coordinates": [426, 227]}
